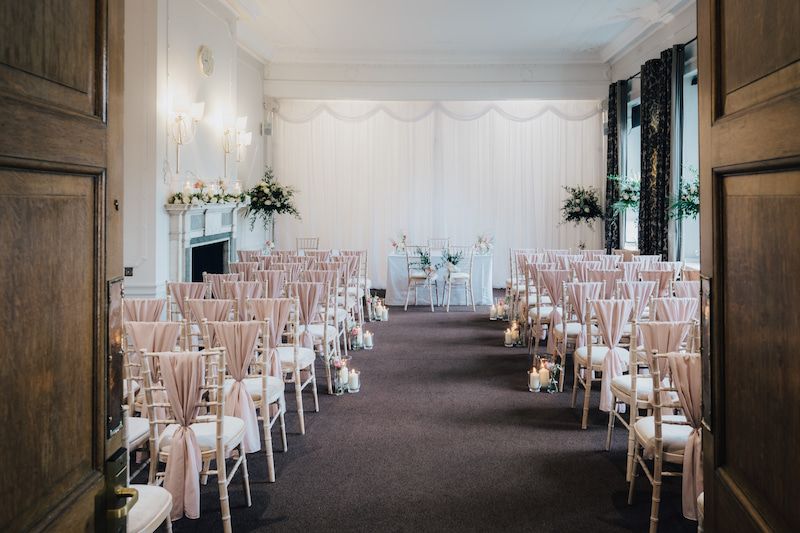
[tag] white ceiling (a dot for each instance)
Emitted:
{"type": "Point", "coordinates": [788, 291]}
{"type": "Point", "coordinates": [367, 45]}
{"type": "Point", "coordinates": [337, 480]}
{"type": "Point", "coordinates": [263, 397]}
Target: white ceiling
{"type": "Point", "coordinates": [448, 32]}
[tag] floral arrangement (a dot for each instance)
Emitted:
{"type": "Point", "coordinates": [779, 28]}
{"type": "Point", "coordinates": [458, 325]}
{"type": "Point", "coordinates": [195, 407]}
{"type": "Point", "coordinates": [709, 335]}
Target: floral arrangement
{"type": "Point", "coordinates": [208, 194]}
{"type": "Point", "coordinates": [484, 244]}
{"type": "Point", "coordinates": [270, 245]}
{"type": "Point", "coordinates": [269, 198]}
{"type": "Point", "coordinates": [628, 194]}
{"type": "Point", "coordinates": [450, 261]}
{"type": "Point", "coordinates": [583, 205]}
{"type": "Point", "coordinates": [556, 370]}
{"type": "Point", "coordinates": [425, 263]}
{"type": "Point", "coordinates": [688, 202]}
{"type": "Point", "coordinates": [399, 244]}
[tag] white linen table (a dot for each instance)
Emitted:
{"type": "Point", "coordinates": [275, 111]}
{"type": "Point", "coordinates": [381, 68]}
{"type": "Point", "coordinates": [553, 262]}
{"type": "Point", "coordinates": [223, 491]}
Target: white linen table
{"type": "Point", "coordinates": [397, 281]}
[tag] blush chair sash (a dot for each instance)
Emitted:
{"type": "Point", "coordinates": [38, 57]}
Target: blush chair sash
{"type": "Point", "coordinates": [241, 291]}
{"type": "Point", "coordinates": [213, 310]}
{"type": "Point", "coordinates": [630, 270]}
{"type": "Point", "coordinates": [183, 376]}
{"type": "Point", "coordinates": [675, 309]}
{"type": "Point", "coordinates": [609, 276]}
{"type": "Point", "coordinates": [144, 309]}
{"type": "Point", "coordinates": [582, 269]}
{"type": "Point", "coordinates": [663, 337]}
{"type": "Point", "coordinates": [663, 277]}
{"type": "Point", "coordinates": [611, 318]}
{"type": "Point", "coordinates": [578, 293]}
{"type": "Point", "coordinates": [641, 290]}
{"type": "Point", "coordinates": [239, 340]}
{"type": "Point", "coordinates": [276, 312]}
{"type": "Point", "coordinates": [309, 295]}
{"type": "Point", "coordinates": [180, 291]}
{"type": "Point", "coordinates": [552, 280]}
{"type": "Point", "coordinates": [275, 280]}
{"type": "Point", "coordinates": [216, 282]}
{"type": "Point", "coordinates": [686, 374]}
{"type": "Point", "coordinates": [687, 289]}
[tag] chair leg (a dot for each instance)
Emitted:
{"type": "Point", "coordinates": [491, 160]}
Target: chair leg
{"type": "Point", "coordinates": [430, 295]}
{"type": "Point", "coordinates": [575, 382]}
{"type": "Point", "coordinates": [634, 472]}
{"type": "Point", "coordinates": [631, 443]}
{"type": "Point", "coordinates": [408, 293]}
{"type": "Point", "coordinates": [314, 388]}
{"type": "Point", "coordinates": [588, 389]}
{"type": "Point", "coordinates": [610, 422]}
{"type": "Point", "coordinates": [268, 444]}
{"type": "Point", "coordinates": [298, 392]}
{"type": "Point", "coordinates": [472, 296]}
{"type": "Point", "coordinates": [245, 477]}
{"type": "Point", "coordinates": [224, 502]}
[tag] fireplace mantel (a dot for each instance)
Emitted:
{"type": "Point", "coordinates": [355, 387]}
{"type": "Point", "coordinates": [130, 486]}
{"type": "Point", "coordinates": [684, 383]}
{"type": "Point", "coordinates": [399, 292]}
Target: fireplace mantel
{"type": "Point", "coordinates": [193, 225]}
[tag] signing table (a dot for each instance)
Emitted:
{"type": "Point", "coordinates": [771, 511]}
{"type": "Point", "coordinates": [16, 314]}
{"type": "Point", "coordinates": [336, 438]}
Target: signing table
{"type": "Point", "coordinates": [397, 281]}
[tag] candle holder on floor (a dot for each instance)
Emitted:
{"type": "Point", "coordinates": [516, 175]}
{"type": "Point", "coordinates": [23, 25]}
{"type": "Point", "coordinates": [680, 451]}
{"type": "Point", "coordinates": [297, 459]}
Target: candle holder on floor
{"type": "Point", "coordinates": [354, 381]}
{"type": "Point", "coordinates": [533, 380]}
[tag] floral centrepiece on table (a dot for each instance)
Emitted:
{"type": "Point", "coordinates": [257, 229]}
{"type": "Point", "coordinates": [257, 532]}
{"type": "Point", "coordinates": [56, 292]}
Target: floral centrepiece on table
{"type": "Point", "coordinates": [688, 203]}
{"type": "Point", "coordinates": [269, 245]}
{"type": "Point", "coordinates": [583, 205]}
{"type": "Point", "coordinates": [399, 244]}
{"type": "Point", "coordinates": [629, 191]}
{"type": "Point", "coordinates": [484, 244]}
{"type": "Point", "coordinates": [269, 198]}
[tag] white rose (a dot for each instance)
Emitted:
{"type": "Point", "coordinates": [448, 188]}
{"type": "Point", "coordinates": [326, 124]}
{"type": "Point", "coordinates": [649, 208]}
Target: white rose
{"type": "Point", "coordinates": [624, 196]}
{"type": "Point", "coordinates": [195, 200]}
{"type": "Point", "coordinates": [586, 209]}
{"type": "Point", "coordinates": [213, 199]}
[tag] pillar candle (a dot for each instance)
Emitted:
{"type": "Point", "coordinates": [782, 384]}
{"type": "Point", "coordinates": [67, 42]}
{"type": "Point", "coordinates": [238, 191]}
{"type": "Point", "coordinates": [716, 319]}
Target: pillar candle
{"type": "Point", "coordinates": [360, 338]}
{"type": "Point", "coordinates": [386, 313]}
{"type": "Point", "coordinates": [493, 312]}
{"type": "Point", "coordinates": [187, 189]}
{"type": "Point", "coordinates": [368, 339]}
{"type": "Point", "coordinates": [500, 311]}
{"type": "Point", "coordinates": [508, 336]}
{"type": "Point", "coordinates": [533, 376]}
{"type": "Point", "coordinates": [353, 381]}
{"type": "Point", "coordinates": [236, 189]}
{"type": "Point", "coordinates": [544, 377]}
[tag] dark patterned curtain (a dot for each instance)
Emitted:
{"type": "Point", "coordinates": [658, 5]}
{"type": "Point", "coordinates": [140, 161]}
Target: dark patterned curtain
{"type": "Point", "coordinates": [654, 198]}
{"type": "Point", "coordinates": [612, 168]}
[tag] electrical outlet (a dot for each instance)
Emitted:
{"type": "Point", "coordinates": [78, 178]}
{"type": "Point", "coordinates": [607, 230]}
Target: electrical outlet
{"type": "Point", "coordinates": [129, 271]}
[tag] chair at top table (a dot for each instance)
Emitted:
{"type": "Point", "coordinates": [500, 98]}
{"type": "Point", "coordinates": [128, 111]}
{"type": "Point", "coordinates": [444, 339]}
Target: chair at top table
{"type": "Point", "coordinates": [419, 274]}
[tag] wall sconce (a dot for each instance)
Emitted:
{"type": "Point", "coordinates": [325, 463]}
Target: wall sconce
{"type": "Point", "coordinates": [236, 138]}
{"type": "Point", "coordinates": [184, 124]}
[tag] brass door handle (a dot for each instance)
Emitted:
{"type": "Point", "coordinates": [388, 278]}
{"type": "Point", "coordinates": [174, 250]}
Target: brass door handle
{"type": "Point", "coordinates": [124, 492]}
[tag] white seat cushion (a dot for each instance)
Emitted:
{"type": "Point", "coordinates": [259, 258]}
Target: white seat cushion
{"type": "Point", "coordinates": [340, 314]}
{"type": "Point", "coordinates": [317, 331]}
{"type": "Point", "coordinates": [544, 312]}
{"type": "Point", "coordinates": [206, 432]}
{"type": "Point", "coordinates": [138, 429]}
{"type": "Point", "coordinates": [621, 387]}
{"type": "Point", "coordinates": [458, 277]}
{"type": "Point", "coordinates": [275, 388]}
{"type": "Point", "coordinates": [305, 356]}
{"type": "Point", "coordinates": [150, 511]}
{"type": "Point", "coordinates": [598, 354]}
{"type": "Point", "coordinates": [573, 329]}
{"type": "Point", "coordinates": [673, 436]}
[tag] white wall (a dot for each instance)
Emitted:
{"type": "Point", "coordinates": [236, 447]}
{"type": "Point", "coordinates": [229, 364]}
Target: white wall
{"type": "Point", "coordinates": [162, 41]}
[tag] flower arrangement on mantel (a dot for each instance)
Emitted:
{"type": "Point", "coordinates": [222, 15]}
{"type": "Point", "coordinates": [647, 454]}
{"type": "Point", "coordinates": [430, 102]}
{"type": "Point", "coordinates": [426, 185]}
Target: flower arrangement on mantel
{"type": "Point", "coordinates": [582, 205]}
{"type": "Point", "coordinates": [269, 198]}
{"type": "Point", "coordinates": [688, 202]}
{"type": "Point", "coordinates": [629, 191]}
{"type": "Point", "coordinates": [207, 193]}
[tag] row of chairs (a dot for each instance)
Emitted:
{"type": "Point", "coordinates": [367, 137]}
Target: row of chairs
{"type": "Point", "coordinates": [245, 364]}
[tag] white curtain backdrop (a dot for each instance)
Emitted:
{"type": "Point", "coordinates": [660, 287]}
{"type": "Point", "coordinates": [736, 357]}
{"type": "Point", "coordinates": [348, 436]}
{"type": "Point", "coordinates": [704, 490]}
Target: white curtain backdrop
{"type": "Point", "coordinates": [367, 171]}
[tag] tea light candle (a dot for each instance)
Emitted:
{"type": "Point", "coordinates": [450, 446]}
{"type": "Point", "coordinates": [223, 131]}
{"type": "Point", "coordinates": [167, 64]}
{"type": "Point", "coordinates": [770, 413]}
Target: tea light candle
{"type": "Point", "coordinates": [368, 339]}
{"type": "Point", "coordinates": [187, 189]}
{"type": "Point", "coordinates": [353, 381]}
{"type": "Point", "coordinates": [533, 377]}
{"type": "Point", "coordinates": [544, 377]}
{"type": "Point", "coordinates": [493, 312]}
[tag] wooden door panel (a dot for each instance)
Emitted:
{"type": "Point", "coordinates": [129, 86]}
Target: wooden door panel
{"type": "Point", "coordinates": [50, 247]}
{"type": "Point", "coordinates": [759, 326]}
{"type": "Point", "coordinates": [60, 242]}
{"type": "Point", "coordinates": [749, 95]}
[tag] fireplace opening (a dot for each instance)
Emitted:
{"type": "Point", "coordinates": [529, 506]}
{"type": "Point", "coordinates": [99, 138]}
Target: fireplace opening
{"type": "Point", "coordinates": [211, 258]}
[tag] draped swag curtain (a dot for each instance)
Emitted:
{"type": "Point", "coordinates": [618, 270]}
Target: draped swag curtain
{"type": "Point", "coordinates": [366, 171]}
{"type": "Point", "coordinates": [656, 142]}
{"type": "Point", "coordinates": [612, 168]}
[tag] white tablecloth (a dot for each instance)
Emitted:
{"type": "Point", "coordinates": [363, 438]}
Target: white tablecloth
{"type": "Point", "coordinates": [397, 282]}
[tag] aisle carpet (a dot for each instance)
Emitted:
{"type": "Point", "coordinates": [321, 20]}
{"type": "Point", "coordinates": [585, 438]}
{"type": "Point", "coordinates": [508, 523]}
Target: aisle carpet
{"type": "Point", "coordinates": [443, 436]}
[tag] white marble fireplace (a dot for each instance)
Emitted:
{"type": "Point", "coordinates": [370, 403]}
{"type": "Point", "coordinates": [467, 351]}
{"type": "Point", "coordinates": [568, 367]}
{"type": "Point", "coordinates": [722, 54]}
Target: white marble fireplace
{"type": "Point", "coordinates": [194, 226]}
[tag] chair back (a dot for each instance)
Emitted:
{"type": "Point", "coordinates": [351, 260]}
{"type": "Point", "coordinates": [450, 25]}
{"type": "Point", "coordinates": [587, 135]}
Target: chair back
{"type": "Point", "coordinates": [609, 276]}
{"type": "Point", "coordinates": [274, 280]}
{"type": "Point", "coordinates": [662, 277]}
{"type": "Point", "coordinates": [463, 257]}
{"type": "Point", "coordinates": [247, 255]}
{"type": "Point", "coordinates": [319, 256]}
{"type": "Point", "coordinates": [143, 309]}
{"type": "Point", "coordinates": [627, 255]}
{"type": "Point", "coordinates": [241, 291]}
{"type": "Point", "coordinates": [581, 270]}
{"type": "Point", "coordinates": [611, 317]}
{"type": "Point", "coordinates": [630, 270]}
{"type": "Point", "coordinates": [608, 262]}
{"type": "Point", "coordinates": [563, 262]}
{"type": "Point", "coordinates": [214, 282]}
{"type": "Point", "coordinates": [674, 309]}
{"type": "Point", "coordinates": [307, 243]}
{"type": "Point", "coordinates": [573, 301]}
{"type": "Point", "coordinates": [646, 258]}
{"type": "Point", "coordinates": [246, 268]}
{"type": "Point", "coordinates": [686, 289]}
{"type": "Point", "coordinates": [591, 255]}
{"type": "Point", "coordinates": [438, 243]}
{"type": "Point", "coordinates": [177, 292]}
{"type": "Point", "coordinates": [690, 275]}
{"type": "Point", "coordinates": [199, 310]}
{"type": "Point", "coordinates": [552, 254]}
{"type": "Point", "coordinates": [309, 296]}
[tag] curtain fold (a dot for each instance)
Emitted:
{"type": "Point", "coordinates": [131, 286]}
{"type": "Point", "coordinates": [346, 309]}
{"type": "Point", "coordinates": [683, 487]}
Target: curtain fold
{"type": "Point", "coordinates": [365, 171]}
{"type": "Point", "coordinates": [612, 168]}
{"type": "Point", "coordinates": [656, 160]}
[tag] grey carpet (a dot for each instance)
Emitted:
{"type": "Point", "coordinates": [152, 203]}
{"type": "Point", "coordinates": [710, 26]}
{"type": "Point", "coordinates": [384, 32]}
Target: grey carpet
{"type": "Point", "coordinates": [443, 436]}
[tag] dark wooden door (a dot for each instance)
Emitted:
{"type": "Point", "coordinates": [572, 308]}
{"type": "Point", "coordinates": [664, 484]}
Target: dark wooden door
{"type": "Point", "coordinates": [60, 244]}
{"type": "Point", "coordinates": [749, 81]}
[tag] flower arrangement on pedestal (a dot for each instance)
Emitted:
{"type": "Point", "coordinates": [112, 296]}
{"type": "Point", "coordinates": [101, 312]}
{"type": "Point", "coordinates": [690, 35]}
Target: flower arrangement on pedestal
{"type": "Point", "coordinates": [269, 198]}
{"type": "Point", "coordinates": [582, 205]}
{"type": "Point", "coordinates": [484, 244]}
{"type": "Point", "coordinates": [399, 244]}
{"type": "Point", "coordinates": [629, 191]}
{"type": "Point", "coordinates": [688, 202]}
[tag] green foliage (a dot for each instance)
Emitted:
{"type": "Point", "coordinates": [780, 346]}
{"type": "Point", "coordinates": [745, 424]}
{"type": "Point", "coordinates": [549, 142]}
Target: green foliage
{"type": "Point", "coordinates": [269, 198]}
{"type": "Point", "coordinates": [583, 205]}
